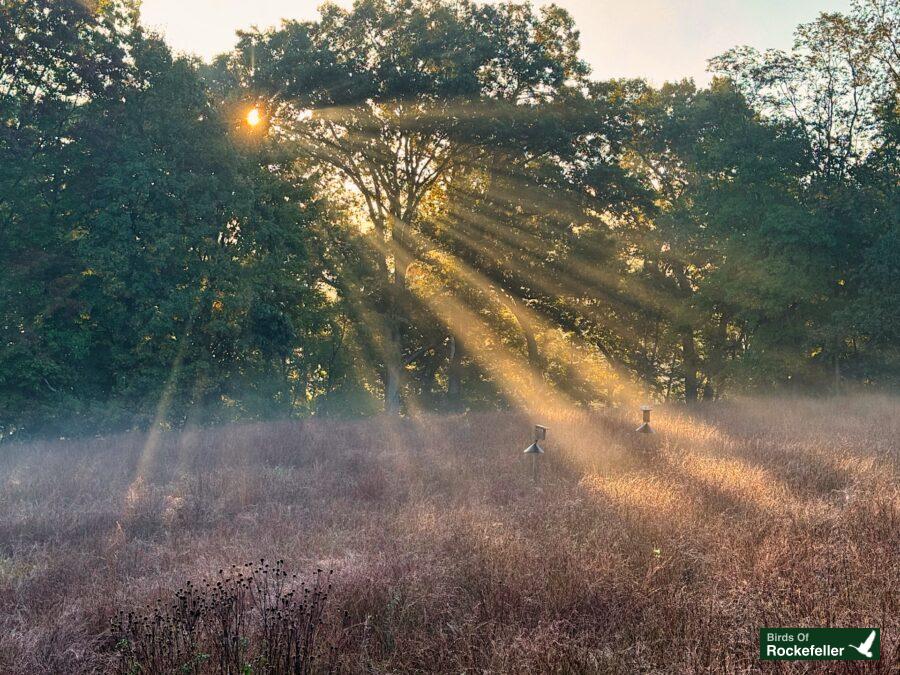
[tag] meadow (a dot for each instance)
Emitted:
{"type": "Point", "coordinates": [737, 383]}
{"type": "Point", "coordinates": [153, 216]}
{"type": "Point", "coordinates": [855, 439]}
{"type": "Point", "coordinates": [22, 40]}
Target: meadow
{"type": "Point", "coordinates": [632, 553]}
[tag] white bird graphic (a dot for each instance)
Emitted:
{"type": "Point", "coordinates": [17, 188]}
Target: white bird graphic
{"type": "Point", "coordinates": [866, 647]}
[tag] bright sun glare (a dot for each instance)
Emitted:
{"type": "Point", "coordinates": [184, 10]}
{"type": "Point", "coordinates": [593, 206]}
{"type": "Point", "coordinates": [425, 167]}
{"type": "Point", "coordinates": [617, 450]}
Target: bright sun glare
{"type": "Point", "coordinates": [253, 117]}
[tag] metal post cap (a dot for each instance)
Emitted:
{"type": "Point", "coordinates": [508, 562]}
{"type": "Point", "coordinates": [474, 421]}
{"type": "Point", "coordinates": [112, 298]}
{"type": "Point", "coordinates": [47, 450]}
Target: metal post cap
{"type": "Point", "coordinates": [645, 427]}
{"type": "Point", "coordinates": [534, 449]}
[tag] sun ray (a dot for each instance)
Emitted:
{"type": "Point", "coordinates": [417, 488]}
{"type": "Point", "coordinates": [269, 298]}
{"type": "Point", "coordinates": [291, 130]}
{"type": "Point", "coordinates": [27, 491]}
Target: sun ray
{"type": "Point", "coordinates": [478, 281]}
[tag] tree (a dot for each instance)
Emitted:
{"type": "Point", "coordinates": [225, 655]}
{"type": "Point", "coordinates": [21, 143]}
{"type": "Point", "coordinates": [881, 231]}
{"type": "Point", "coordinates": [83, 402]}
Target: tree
{"type": "Point", "coordinates": [54, 56]}
{"type": "Point", "coordinates": [838, 88]}
{"type": "Point", "coordinates": [538, 236]}
{"type": "Point", "coordinates": [157, 264]}
{"type": "Point", "coordinates": [396, 95]}
{"type": "Point", "coordinates": [829, 85]}
{"type": "Point", "coordinates": [735, 257]}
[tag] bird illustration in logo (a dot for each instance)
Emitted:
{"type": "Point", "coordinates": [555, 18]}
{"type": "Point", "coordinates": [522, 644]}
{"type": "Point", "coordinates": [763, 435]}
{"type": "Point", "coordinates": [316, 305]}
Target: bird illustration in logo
{"type": "Point", "coordinates": [866, 647]}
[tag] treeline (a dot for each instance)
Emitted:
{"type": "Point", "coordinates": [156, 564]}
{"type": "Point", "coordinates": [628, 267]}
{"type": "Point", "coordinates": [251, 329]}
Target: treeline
{"type": "Point", "coordinates": [433, 206]}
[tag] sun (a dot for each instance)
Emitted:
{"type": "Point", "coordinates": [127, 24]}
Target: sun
{"type": "Point", "coordinates": [253, 117]}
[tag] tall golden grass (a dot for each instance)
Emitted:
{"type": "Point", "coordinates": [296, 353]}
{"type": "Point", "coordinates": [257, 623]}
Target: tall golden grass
{"type": "Point", "coordinates": [633, 553]}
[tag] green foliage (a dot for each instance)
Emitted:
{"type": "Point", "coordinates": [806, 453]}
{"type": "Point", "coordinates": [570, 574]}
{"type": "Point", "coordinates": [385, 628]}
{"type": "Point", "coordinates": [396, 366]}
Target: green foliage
{"type": "Point", "coordinates": [434, 185]}
{"type": "Point", "coordinates": [153, 266]}
{"type": "Point", "coordinates": [398, 99]}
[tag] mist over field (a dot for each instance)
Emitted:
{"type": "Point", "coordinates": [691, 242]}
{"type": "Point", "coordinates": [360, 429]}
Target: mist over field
{"type": "Point", "coordinates": [660, 553]}
{"type": "Point", "coordinates": [329, 353]}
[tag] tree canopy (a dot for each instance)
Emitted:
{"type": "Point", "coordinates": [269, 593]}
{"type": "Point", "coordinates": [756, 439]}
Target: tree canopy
{"type": "Point", "coordinates": [435, 207]}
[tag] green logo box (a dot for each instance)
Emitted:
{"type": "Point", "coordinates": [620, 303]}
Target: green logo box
{"type": "Point", "coordinates": [819, 644]}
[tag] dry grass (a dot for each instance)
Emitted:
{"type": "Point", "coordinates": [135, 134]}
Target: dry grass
{"type": "Point", "coordinates": [635, 554]}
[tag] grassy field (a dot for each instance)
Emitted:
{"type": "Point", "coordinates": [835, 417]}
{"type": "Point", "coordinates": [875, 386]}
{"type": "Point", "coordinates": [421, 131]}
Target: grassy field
{"type": "Point", "coordinates": [633, 554]}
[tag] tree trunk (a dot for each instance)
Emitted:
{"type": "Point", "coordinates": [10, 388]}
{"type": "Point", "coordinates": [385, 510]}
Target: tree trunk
{"type": "Point", "coordinates": [671, 376]}
{"type": "Point", "coordinates": [714, 366]}
{"type": "Point", "coordinates": [430, 372]}
{"type": "Point", "coordinates": [531, 345]}
{"type": "Point", "coordinates": [393, 358]}
{"type": "Point", "coordinates": [454, 375]}
{"type": "Point", "coordinates": [689, 360]}
{"type": "Point", "coordinates": [393, 371]}
{"type": "Point", "coordinates": [837, 374]}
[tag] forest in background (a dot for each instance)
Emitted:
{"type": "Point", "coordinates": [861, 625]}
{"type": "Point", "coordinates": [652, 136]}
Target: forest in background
{"type": "Point", "coordinates": [434, 206]}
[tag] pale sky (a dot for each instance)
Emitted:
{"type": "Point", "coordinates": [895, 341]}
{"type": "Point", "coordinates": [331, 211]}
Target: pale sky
{"type": "Point", "coordinates": [657, 39]}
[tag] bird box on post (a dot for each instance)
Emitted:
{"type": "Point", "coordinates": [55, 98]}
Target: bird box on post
{"type": "Point", "coordinates": [540, 433]}
{"type": "Point", "coordinates": [645, 428]}
{"type": "Point", "coordinates": [535, 450]}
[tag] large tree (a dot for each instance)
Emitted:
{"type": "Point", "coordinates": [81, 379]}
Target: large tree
{"type": "Point", "coordinates": [838, 87]}
{"type": "Point", "coordinates": [397, 95]}
{"type": "Point", "coordinates": [151, 264]}
{"type": "Point", "coordinates": [727, 249]}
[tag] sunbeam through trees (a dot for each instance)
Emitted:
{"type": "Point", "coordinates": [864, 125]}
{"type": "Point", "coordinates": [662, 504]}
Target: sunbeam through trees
{"type": "Point", "coordinates": [432, 206]}
{"type": "Point", "coordinates": [276, 325]}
